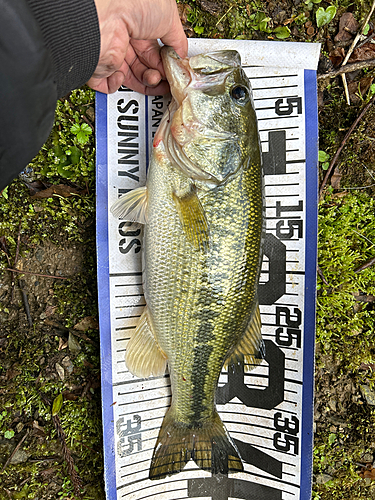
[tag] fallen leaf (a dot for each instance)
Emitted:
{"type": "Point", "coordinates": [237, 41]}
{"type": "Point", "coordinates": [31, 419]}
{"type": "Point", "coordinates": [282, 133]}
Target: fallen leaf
{"type": "Point", "coordinates": [209, 6]}
{"type": "Point", "coordinates": [183, 10]}
{"type": "Point", "coordinates": [367, 51]}
{"type": "Point", "coordinates": [59, 189]}
{"type": "Point", "coordinates": [50, 310]}
{"type": "Point", "coordinates": [36, 186]}
{"type": "Point", "coordinates": [348, 25]}
{"type": "Point", "coordinates": [87, 323]}
{"type": "Point", "coordinates": [61, 374]}
{"type": "Point", "coordinates": [38, 429]}
{"type": "Point", "coordinates": [3, 245]}
{"type": "Point", "coordinates": [359, 88]}
{"type": "Point", "coordinates": [69, 396]}
{"type": "Point", "coordinates": [57, 403]}
{"type": "Point", "coordinates": [63, 344]}
{"type": "Point", "coordinates": [336, 178]}
{"type": "Point", "coordinates": [73, 344]}
{"type": "Point", "coordinates": [12, 372]}
{"type": "Point", "coordinates": [337, 56]}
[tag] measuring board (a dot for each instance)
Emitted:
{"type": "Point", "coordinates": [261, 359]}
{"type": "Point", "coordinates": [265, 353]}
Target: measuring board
{"type": "Point", "coordinates": [268, 411]}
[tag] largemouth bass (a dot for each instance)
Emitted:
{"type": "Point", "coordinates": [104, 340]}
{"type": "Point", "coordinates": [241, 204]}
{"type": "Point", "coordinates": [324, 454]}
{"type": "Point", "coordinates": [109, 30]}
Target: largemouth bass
{"type": "Point", "coordinates": [202, 211]}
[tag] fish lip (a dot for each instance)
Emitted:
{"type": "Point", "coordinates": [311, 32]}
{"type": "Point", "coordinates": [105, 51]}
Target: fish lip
{"type": "Point", "coordinates": [177, 71]}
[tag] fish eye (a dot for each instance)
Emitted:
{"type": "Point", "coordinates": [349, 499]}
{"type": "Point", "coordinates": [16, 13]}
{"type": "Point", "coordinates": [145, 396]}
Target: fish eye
{"type": "Point", "coordinates": [240, 94]}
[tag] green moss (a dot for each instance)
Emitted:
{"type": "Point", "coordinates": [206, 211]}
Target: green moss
{"type": "Point", "coordinates": [28, 368]}
{"type": "Point", "coordinates": [347, 240]}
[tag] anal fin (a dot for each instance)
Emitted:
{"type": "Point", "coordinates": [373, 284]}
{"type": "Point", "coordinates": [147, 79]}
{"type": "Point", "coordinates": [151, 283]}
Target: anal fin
{"type": "Point", "coordinates": [250, 349]}
{"type": "Point", "coordinates": [144, 356]}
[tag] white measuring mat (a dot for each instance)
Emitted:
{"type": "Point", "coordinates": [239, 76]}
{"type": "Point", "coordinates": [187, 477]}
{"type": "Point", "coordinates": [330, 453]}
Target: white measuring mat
{"type": "Point", "coordinates": [269, 411]}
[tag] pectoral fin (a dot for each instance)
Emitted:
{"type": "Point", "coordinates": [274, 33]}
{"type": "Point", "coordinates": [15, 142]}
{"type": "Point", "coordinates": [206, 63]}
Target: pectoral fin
{"type": "Point", "coordinates": [144, 356]}
{"type": "Point", "coordinates": [193, 219]}
{"type": "Point", "coordinates": [132, 206]}
{"type": "Point", "coordinates": [250, 348]}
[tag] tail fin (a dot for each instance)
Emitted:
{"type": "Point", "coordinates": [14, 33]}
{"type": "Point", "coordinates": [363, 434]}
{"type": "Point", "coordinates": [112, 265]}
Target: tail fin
{"type": "Point", "coordinates": [209, 445]}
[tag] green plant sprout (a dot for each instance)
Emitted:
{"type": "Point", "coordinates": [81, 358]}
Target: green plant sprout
{"type": "Point", "coordinates": [82, 132]}
{"type": "Point", "coordinates": [323, 158]}
{"type": "Point", "coordinates": [324, 17]}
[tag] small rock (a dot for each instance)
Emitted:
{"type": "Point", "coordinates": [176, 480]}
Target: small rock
{"type": "Point", "coordinates": [39, 254]}
{"type": "Point", "coordinates": [367, 457]}
{"type": "Point", "coordinates": [19, 457]}
{"type": "Point", "coordinates": [19, 427]}
{"type": "Point", "coordinates": [332, 404]}
{"type": "Point", "coordinates": [87, 323]}
{"type": "Point", "coordinates": [60, 371]}
{"type": "Point", "coordinates": [73, 344]}
{"type": "Point", "coordinates": [68, 364]}
{"type": "Point", "coordinates": [323, 478]}
{"type": "Point", "coordinates": [368, 394]}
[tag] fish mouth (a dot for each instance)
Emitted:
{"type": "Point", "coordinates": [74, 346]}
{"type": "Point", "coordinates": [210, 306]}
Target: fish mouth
{"type": "Point", "coordinates": [203, 70]}
{"type": "Point", "coordinates": [177, 71]}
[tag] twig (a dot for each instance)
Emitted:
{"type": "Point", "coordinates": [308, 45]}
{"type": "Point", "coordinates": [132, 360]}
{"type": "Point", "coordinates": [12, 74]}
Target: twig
{"type": "Point", "coordinates": [334, 159]}
{"type": "Point", "coordinates": [14, 451]}
{"type": "Point", "coordinates": [85, 119]}
{"type": "Point", "coordinates": [348, 68]}
{"type": "Point", "coordinates": [346, 89]}
{"type": "Point", "coordinates": [351, 48]}
{"type": "Point", "coordinates": [320, 272]}
{"type": "Point", "coordinates": [25, 301]}
{"type": "Point", "coordinates": [35, 274]}
{"type": "Point", "coordinates": [8, 493]}
{"type": "Point", "coordinates": [61, 327]}
{"type": "Point", "coordinates": [368, 39]}
{"type": "Point", "coordinates": [18, 245]}
{"type": "Point", "coordinates": [364, 266]}
{"type": "Point", "coordinates": [359, 34]}
{"type": "Point", "coordinates": [76, 480]}
{"type": "Point", "coordinates": [225, 14]}
{"type": "Point", "coordinates": [15, 261]}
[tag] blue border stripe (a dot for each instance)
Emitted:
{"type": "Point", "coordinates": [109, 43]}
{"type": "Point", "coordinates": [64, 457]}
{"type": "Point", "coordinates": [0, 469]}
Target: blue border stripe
{"type": "Point", "coordinates": [311, 232]}
{"type": "Point", "coordinates": [146, 133]}
{"type": "Point", "coordinates": [104, 294]}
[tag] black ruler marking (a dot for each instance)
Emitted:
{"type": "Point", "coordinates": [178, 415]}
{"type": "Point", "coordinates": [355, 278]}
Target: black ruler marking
{"type": "Point", "coordinates": [128, 317]}
{"type": "Point", "coordinates": [267, 77]}
{"type": "Point", "coordinates": [286, 117]}
{"type": "Point", "coordinates": [278, 128]}
{"type": "Point", "coordinates": [141, 380]}
{"type": "Point", "coordinates": [114, 275]}
{"type": "Point", "coordinates": [136, 412]}
{"type": "Point", "coordinates": [132, 295]}
{"type": "Point", "coordinates": [268, 88]}
{"type": "Point", "coordinates": [120, 328]}
{"type": "Point", "coordinates": [144, 390]}
{"type": "Point", "coordinates": [130, 284]}
{"type": "Point", "coordinates": [133, 305]}
{"type": "Point", "coordinates": [143, 400]}
{"type": "Point", "coordinates": [283, 185]}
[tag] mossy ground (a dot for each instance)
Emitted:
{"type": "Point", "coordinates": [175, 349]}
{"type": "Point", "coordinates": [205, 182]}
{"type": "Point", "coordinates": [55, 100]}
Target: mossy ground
{"type": "Point", "coordinates": [56, 237]}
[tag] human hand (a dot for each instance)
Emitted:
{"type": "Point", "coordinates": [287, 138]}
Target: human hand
{"type": "Point", "coordinates": [130, 53]}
